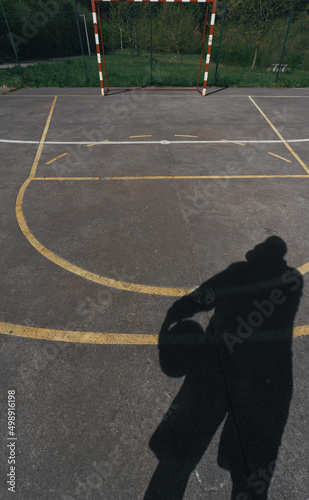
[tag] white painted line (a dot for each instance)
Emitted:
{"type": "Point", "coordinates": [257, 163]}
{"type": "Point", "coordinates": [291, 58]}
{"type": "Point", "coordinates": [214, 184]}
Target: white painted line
{"type": "Point", "coordinates": [19, 142]}
{"type": "Point", "coordinates": [221, 141]}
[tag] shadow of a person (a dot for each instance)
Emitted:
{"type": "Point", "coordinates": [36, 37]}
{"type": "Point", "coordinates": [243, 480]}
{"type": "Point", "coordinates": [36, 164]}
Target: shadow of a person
{"type": "Point", "coordinates": [239, 370]}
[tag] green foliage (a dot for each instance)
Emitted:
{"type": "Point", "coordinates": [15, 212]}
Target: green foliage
{"type": "Point", "coordinates": [254, 30]}
{"type": "Point", "coordinates": [176, 30]}
{"type": "Point", "coordinates": [124, 71]}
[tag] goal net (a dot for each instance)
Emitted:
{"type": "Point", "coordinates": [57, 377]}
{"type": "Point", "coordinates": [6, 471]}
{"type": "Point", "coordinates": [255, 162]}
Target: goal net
{"type": "Point", "coordinates": [144, 43]}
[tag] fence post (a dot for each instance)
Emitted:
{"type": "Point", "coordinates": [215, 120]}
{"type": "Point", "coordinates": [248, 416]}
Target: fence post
{"type": "Point", "coordinates": [80, 41]}
{"type": "Point", "coordinates": [150, 6]}
{"type": "Point", "coordinates": [86, 32]}
{"type": "Point", "coordinates": [12, 42]}
{"type": "Point", "coordinates": [286, 37]}
{"type": "Point", "coordinates": [220, 40]}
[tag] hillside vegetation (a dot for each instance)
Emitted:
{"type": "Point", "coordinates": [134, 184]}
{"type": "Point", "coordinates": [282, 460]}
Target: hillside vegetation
{"type": "Point", "coordinates": [252, 41]}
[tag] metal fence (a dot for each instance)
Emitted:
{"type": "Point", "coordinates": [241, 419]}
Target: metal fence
{"type": "Point", "coordinates": [172, 34]}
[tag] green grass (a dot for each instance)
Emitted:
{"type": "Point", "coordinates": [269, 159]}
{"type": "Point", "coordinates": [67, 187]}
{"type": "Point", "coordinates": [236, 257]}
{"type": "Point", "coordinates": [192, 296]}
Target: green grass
{"type": "Point", "coordinates": [125, 71]}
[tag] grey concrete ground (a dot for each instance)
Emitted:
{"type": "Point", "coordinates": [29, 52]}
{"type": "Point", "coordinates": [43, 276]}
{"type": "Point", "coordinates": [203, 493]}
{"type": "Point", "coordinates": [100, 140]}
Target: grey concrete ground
{"type": "Point", "coordinates": [143, 188]}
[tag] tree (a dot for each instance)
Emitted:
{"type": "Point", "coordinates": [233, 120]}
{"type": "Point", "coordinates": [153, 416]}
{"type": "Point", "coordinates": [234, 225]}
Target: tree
{"type": "Point", "coordinates": [176, 30]}
{"type": "Point", "coordinates": [260, 15]}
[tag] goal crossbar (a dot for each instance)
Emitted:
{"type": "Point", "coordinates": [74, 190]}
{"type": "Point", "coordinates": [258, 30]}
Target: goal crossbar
{"type": "Point", "coordinates": [96, 17]}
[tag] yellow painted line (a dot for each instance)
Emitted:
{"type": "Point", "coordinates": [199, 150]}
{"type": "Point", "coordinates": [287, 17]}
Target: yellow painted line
{"type": "Point", "coordinates": [95, 143]}
{"type": "Point", "coordinates": [66, 179]}
{"type": "Point", "coordinates": [40, 148]}
{"type": "Point", "coordinates": [76, 336]}
{"type": "Point", "coordinates": [299, 331]}
{"type": "Point", "coordinates": [233, 142]}
{"type": "Point", "coordinates": [171, 177]}
{"type": "Point", "coordinates": [287, 145]}
{"type": "Point", "coordinates": [120, 285]}
{"type": "Point", "coordinates": [179, 177]}
{"type": "Point", "coordinates": [303, 269]}
{"type": "Point", "coordinates": [12, 94]}
{"type": "Point", "coordinates": [57, 158]}
{"type": "Point", "coordinates": [101, 338]}
{"type": "Point", "coordinates": [134, 136]}
{"type": "Point", "coordinates": [177, 135]}
{"type": "Point", "coordinates": [281, 157]}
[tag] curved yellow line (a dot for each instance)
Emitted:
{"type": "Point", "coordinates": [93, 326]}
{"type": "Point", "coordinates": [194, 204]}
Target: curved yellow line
{"type": "Point", "coordinates": [76, 336]}
{"type": "Point", "coordinates": [96, 337]}
{"type": "Point", "coordinates": [96, 278]}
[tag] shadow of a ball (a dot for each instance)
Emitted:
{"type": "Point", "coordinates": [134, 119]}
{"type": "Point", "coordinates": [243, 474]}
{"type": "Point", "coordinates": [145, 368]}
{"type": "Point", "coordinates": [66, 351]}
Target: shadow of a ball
{"type": "Point", "coordinates": [179, 346]}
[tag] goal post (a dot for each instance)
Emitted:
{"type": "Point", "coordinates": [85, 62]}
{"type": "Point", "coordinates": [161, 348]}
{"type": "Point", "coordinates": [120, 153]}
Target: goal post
{"type": "Point", "coordinates": [99, 37]}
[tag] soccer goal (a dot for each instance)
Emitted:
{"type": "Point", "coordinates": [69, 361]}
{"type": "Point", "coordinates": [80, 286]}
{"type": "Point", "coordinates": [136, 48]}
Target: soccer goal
{"type": "Point", "coordinates": [176, 32]}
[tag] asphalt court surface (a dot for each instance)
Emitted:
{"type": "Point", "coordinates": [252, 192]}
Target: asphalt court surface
{"type": "Point", "coordinates": [112, 209]}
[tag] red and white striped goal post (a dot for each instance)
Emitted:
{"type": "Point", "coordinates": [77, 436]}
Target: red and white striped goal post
{"type": "Point", "coordinates": [210, 37]}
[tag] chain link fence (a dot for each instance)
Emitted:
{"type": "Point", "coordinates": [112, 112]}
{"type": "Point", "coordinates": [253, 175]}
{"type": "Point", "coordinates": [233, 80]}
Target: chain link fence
{"type": "Point", "coordinates": [151, 44]}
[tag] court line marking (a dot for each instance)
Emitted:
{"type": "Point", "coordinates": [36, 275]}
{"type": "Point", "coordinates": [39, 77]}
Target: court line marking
{"type": "Point", "coordinates": [120, 285]}
{"type": "Point", "coordinates": [96, 143]}
{"type": "Point", "coordinates": [281, 137]}
{"type": "Point", "coordinates": [178, 135]}
{"type": "Point", "coordinates": [40, 148]}
{"type": "Point", "coordinates": [239, 143]}
{"type": "Point", "coordinates": [135, 136]}
{"type": "Point", "coordinates": [304, 269]}
{"type": "Point", "coordinates": [98, 337]}
{"type": "Point", "coordinates": [57, 158]}
{"type": "Point", "coordinates": [102, 280]}
{"type": "Point", "coordinates": [173, 177]}
{"type": "Point", "coordinates": [69, 178]}
{"type": "Point", "coordinates": [281, 157]}
{"type": "Point", "coordinates": [164, 142]}
{"type": "Point", "coordinates": [98, 96]}
{"type": "Point", "coordinates": [132, 287]}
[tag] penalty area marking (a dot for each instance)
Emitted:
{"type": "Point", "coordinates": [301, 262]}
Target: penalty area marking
{"type": "Point", "coordinates": [132, 287]}
{"type": "Point", "coordinates": [300, 161]}
{"type": "Point", "coordinates": [102, 280]}
{"type": "Point", "coordinates": [101, 338]}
